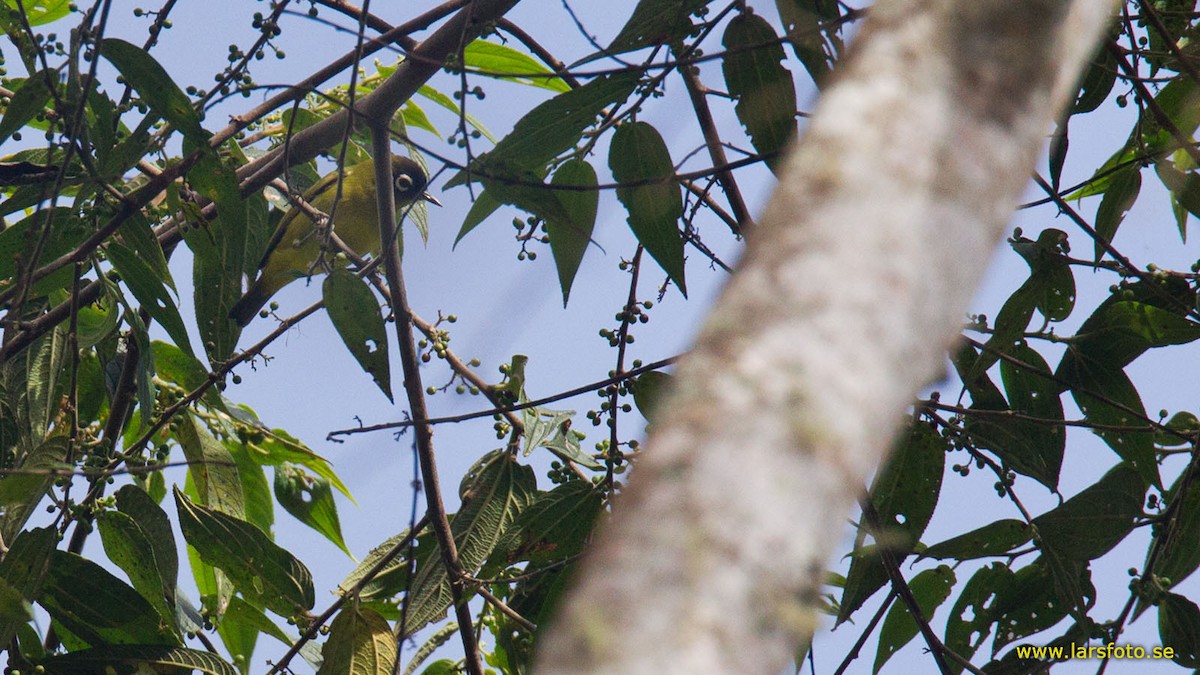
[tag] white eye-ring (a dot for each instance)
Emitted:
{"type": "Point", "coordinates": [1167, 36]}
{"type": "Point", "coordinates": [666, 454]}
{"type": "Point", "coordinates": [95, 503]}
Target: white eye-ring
{"type": "Point", "coordinates": [404, 182]}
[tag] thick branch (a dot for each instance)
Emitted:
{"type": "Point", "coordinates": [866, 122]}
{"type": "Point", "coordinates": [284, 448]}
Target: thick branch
{"type": "Point", "coordinates": [379, 106]}
{"type": "Point", "coordinates": [853, 284]}
{"type": "Point", "coordinates": [414, 392]}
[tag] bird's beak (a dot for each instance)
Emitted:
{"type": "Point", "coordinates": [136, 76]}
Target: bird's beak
{"type": "Point", "coordinates": [430, 198]}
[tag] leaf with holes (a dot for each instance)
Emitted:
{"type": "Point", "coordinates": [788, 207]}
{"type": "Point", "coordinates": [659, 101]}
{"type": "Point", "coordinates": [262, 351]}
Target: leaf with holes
{"type": "Point", "coordinates": [812, 27]}
{"type": "Point", "coordinates": [761, 85]}
{"type": "Point", "coordinates": [355, 314]}
{"type": "Point", "coordinates": [904, 495]}
{"type": "Point", "coordinates": [310, 500]}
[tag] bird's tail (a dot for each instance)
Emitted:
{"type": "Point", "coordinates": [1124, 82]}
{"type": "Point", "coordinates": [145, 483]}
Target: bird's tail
{"type": "Point", "coordinates": [254, 299]}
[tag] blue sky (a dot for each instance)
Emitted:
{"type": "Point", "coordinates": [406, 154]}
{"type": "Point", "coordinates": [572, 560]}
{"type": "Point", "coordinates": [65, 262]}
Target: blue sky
{"type": "Point", "coordinates": [312, 386]}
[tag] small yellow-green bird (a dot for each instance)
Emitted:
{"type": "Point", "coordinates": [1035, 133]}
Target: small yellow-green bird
{"type": "Point", "coordinates": [296, 244]}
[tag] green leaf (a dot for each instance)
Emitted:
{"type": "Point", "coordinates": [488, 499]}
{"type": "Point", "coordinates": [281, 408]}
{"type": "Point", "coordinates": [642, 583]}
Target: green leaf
{"type": "Point", "coordinates": [865, 576]}
{"type": "Point", "coordinates": [1051, 282]}
{"type": "Point", "coordinates": [1097, 82]}
{"type": "Point", "coordinates": [360, 641]}
{"type": "Point", "coordinates": [102, 128]}
{"type": "Point", "coordinates": [29, 99]}
{"type": "Point", "coordinates": [355, 314]}
{"type": "Point", "coordinates": [551, 429]}
{"type": "Point", "coordinates": [137, 659]}
{"type": "Point", "coordinates": [542, 424]}
{"type": "Point", "coordinates": [483, 206]}
{"type": "Point", "coordinates": [1138, 317]}
{"type": "Point", "coordinates": [1122, 192]}
{"type": "Point", "coordinates": [310, 500]}
{"type": "Point", "coordinates": [137, 236]}
{"type": "Point", "coordinates": [448, 103]}
{"type": "Point", "coordinates": [550, 129]}
{"type": "Point", "coordinates": [1060, 142]}
{"type": "Point", "coordinates": [20, 493]}
{"type": "Point", "coordinates": [262, 571]}
{"type": "Point", "coordinates": [278, 447]}
{"type": "Point", "coordinates": [394, 577]}
{"type": "Point", "coordinates": [993, 539]}
{"type": "Point", "coordinates": [639, 160]}
{"type": "Point", "coordinates": [513, 171]}
{"type": "Point", "coordinates": [905, 492]}
{"type": "Point", "coordinates": [155, 524]}
{"type": "Point", "coordinates": [1179, 629]}
{"type": "Point", "coordinates": [494, 492]}
{"type": "Point", "coordinates": [812, 27]}
{"type": "Point", "coordinates": [147, 390]}
{"type": "Point", "coordinates": [1118, 332]}
{"type": "Point", "coordinates": [129, 547]}
{"type": "Point", "coordinates": [1179, 100]}
{"type": "Point", "coordinates": [96, 322]}
{"type": "Point", "coordinates": [442, 667]}
{"type": "Point", "coordinates": [215, 588]}
{"type": "Point", "coordinates": [655, 22]}
{"type": "Point", "coordinates": [45, 382]}
{"type": "Point", "coordinates": [22, 572]}
{"type": "Point", "coordinates": [98, 607]}
{"type": "Point", "coordinates": [66, 231]}
{"type": "Point", "coordinates": [649, 391]}
{"type": "Point", "coordinates": [92, 394]}
{"type": "Point", "coordinates": [261, 221]}
{"type": "Point", "coordinates": [930, 588]}
{"type": "Point", "coordinates": [150, 291]}
{"type": "Point", "coordinates": [212, 468]}
{"type": "Point", "coordinates": [557, 524]}
{"type": "Point", "coordinates": [761, 85]}
{"type": "Point", "coordinates": [184, 369]}
{"type": "Point", "coordinates": [1025, 604]}
{"type": "Point", "coordinates": [1092, 522]}
{"type": "Point", "coordinates": [15, 610]}
{"type": "Point", "coordinates": [260, 503]}
{"type": "Point", "coordinates": [241, 626]}
{"type": "Point", "coordinates": [220, 250]}
{"type": "Point", "coordinates": [1184, 189]}
{"type": "Point", "coordinates": [569, 238]}
{"type": "Point", "coordinates": [1182, 422]}
{"type": "Point", "coordinates": [155, 87]}
{"type": "Point", "coordinates": [1007, 329]}
{"type": "Point", "coordinates": [1108, 386]}
{"type": "Point", "coordinates": [516, 66]}
{"type": "Point", "coordinates": [413, 115]}
{"type": "Point", "coordinates": [1172, 30]}
{"type": "Point", "coordinates": [40, 12]}
{"type": "Point", "coordinates": [1032, 392]}
{"type": "Point", "coordinates": [904, 495]}
{"type": "Point", "coordinates": [1179, 556]}
{"type": "Point", "coordinates": [972, 616]}
{"type": "Point", "coordinates": [537, 597]}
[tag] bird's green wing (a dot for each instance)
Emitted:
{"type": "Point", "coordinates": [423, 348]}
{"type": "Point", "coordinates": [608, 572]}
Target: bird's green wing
{"type": "Point", "coordinates": [326, 182]}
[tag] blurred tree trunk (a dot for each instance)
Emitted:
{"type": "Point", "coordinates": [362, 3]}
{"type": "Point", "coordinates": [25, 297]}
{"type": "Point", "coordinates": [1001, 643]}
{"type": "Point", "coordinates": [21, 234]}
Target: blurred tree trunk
{"type": "Point", "coordinates": [852, 287]}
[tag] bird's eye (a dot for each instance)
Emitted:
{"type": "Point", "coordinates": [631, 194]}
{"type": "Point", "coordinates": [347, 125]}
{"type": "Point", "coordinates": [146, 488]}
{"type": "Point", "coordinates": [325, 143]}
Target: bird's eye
{"type": "Point", "coordinates": [404, 182]}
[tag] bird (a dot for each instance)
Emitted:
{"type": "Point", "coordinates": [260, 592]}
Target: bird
{"type": "Point", "coordinates": [296, 244]}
